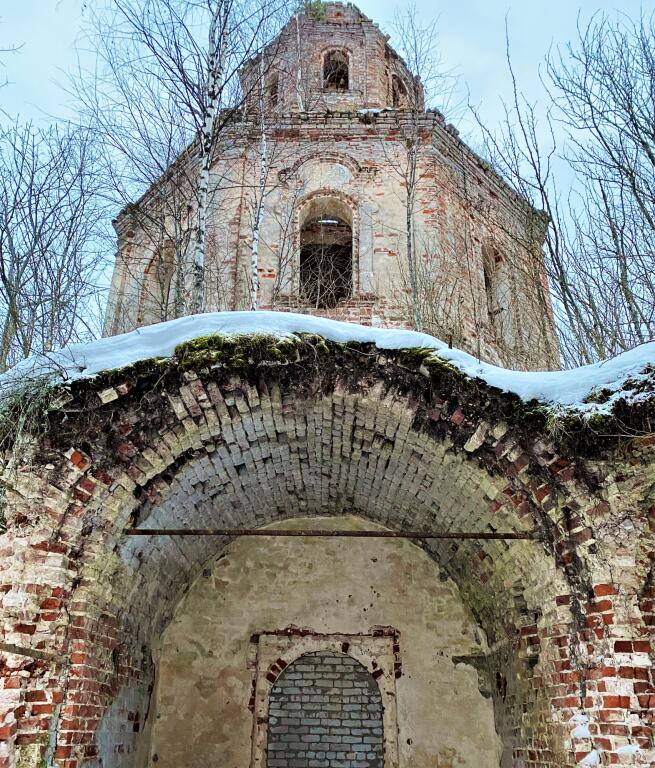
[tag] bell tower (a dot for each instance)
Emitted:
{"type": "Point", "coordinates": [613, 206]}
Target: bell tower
{"type": "Point", "coordinates": [333, 58]}
{"type": "Point", "coordinates": [353, 201]}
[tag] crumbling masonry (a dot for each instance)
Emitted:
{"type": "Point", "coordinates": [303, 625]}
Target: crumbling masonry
{"type": "Point", "coordinates": [250, 433]}
{"type": "Point", "coordinates": [121, 649]}
{"type": "Point", "coordinates": [336, 177]}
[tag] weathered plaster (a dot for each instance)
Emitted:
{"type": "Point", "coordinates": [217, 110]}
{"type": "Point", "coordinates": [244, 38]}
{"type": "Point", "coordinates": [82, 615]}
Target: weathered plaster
{"type": "Point", "coordinates": [331, 586]}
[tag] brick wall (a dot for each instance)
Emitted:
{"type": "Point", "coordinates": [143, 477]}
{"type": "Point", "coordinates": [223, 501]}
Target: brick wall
{"type": "Point", "coordinates": [325, 711]}
{"type": "Point", "coordinates": [569, 620]}
{"type": "Point", "coordinates": [297, 59]}
{"type": "Point", "coordinates": [338, 150]}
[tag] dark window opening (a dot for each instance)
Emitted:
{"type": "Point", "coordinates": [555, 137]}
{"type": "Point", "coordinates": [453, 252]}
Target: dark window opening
{"type": "Point", "coordinates": [399, 93]}
{"type": "Point", "coordinates": [335, 71]}
{"type": "Point", "coordinates": [325, 262]}
{"type": "Point", "coordinates": [273, 90]}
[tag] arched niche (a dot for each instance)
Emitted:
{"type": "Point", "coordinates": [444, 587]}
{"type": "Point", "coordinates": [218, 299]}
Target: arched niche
{"type": "Point", "coordinates": [323, 429]}
{"type": "Point", "coordinates": [155, 299]}
{"type": "Point", "coordinates": [383, 603]}
{"type": "Point", "coordinates": [399, 93]}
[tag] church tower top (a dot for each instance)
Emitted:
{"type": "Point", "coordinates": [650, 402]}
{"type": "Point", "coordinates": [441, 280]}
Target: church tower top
{"type": "Point", "coordinates": [330, 56]}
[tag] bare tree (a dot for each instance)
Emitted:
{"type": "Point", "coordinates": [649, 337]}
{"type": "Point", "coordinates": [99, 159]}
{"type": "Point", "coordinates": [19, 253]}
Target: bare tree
{"type": "Point", "coordinates": [280, 58]}
{"type": "Point", "coordinates": [589, 162]}
{"type": "Point", "coordinates": [3, 50]}
{"type": "Point", "coordinates": [286, 260]}
{"type": "Point", "coordinates": [167, 85]}
{"type": "Point", "coordinates": [440, 302]}
{"type": "Point", "coordinates": [417, 44]}
{"type": "Point", "coordinates": [51, 241]}
{"type": "Point", "coordinates": [604, 88]}
{"type": "Point", "coordinates": [266, 96]}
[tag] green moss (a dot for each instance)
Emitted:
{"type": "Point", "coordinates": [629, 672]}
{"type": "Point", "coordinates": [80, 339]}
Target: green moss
{"type": "Point", "coordinates": [314, 341]}
{"type": "Point", "coordinates": [529, 416]}
{"type": "Point", "coordinates": [24, 416]}
{"type": "Point", "coordinates": [426, 359]}
{"type": "Point", "coordinates": [314, 9]}
{"type": "Point", "coordinates": [234, 353]}
{"type": "Point", "coordinates": [30, 412]}
{"type": "Point", "coordinates": [598, 396]}
{"type": "Point", "coordinates": [31, 755]}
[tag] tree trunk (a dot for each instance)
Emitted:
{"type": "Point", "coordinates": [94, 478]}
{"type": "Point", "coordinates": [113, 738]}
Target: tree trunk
{"type": "Point", "coordinates": [216, 66]}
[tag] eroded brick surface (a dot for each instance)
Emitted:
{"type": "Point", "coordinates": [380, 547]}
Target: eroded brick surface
{"type": "Point", "coordinates": [345, 154]}
{"type": "Point", "coordinates": [569, 621]}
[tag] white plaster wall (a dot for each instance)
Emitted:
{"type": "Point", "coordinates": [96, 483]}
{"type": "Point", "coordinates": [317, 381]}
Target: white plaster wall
{"type": "Point", "coordinates": [200, 707]}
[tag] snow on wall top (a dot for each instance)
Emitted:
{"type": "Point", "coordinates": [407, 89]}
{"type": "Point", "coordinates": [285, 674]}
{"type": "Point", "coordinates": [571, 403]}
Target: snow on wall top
{"type": "Point", "coordinates": [621, 375]}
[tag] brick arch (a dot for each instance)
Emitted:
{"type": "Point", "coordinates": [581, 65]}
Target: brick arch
{"type": "Point", "coordinates": [197, 442]}
{"type": "Point", "coordinates": [339, 158]}
{"type": "Point", "coordinates": [344, 199]}
{"type": "Point", "coordinates": [330, 48]}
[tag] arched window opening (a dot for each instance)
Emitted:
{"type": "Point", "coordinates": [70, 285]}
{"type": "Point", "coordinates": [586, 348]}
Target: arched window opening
{"type": "Point", "coordinates": [400, 99]}
{"type": "Point", "coordinates": [155, 303]}
{"type": "Point", "coordinates": [335, 71]}
{"type": "Point", "coordinates": [326, 254]}
{"type": "Point", "coordinates": [490, 263]}
{"type": "Point", "coordinates": [329, 703]}
{"type": "Point", "coordinates": [272, 89]}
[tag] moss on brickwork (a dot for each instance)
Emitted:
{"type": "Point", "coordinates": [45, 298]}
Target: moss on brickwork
{"type": "Point", "coordinates": [24, 417]}
{"type": "Point", "coordinates": [36, 411]}
{"type": "Point", "coordinates": [235, 354]}
{"type": "Point", "coordinates": [31, 755]}
{"type": "Point", "coordinates": [314, 9]}
{"type": "Point", "coordinates": [272, 428]}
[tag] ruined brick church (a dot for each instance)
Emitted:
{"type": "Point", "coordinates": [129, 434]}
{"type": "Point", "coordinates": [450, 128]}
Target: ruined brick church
{"type": "Point", "coordinates": [334, 213]}
{"type": "Point", "coordinates": [273, 540]}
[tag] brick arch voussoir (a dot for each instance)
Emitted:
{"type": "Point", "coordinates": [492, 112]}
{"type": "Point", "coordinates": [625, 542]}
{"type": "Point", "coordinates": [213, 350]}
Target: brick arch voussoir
{"type": "Point", "coordinates": [100, 488]}
{"type": "Point", "coordinates": [191, 435]}
{"type": "Point", "coordinates": [338, 158]}
{"type": "Point", "coordinates": [142, 465]}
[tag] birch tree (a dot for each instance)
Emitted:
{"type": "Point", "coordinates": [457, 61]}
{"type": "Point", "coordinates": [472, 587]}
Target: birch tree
{"type": "Point", "coordinates": [271, 64]}
{"type": "Point", "coordinates": [260, 194]}
{"type": "Point", "coordinates": [417, 44]}
{"type": "Point", "coordinates": [588, 160]}
{"type": "Point", "coordinates": [167, 78]}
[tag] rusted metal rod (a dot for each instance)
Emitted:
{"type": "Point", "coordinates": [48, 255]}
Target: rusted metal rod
{"type": "Point", "coordinates": [485, 535]}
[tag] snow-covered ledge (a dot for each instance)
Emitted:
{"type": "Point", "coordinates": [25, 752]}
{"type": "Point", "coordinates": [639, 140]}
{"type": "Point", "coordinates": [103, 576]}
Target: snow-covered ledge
{"type": "Point", "coordinates": [629, 376]}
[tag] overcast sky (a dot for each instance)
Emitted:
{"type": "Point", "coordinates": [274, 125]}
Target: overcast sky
{"type": "Point", "coordinates": [472, 34]}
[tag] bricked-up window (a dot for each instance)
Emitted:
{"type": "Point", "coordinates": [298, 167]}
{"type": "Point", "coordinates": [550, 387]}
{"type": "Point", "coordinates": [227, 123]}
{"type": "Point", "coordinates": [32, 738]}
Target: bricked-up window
{"type": "Point", "coordinates": [335, 71]}
{"type": "Point", "coordinates": [325, 709]}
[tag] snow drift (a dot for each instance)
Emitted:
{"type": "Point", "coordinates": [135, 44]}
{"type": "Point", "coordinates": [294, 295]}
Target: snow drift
{"type": "Point", "coordinates": [625, 376]}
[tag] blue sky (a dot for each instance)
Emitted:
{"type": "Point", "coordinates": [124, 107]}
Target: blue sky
{"type": "Point", "coordinates": [472, 36]}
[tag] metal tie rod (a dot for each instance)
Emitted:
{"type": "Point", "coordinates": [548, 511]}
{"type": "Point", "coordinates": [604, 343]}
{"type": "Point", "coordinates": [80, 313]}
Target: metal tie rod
{"type": "Point", "coordinates": [484, 535]}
